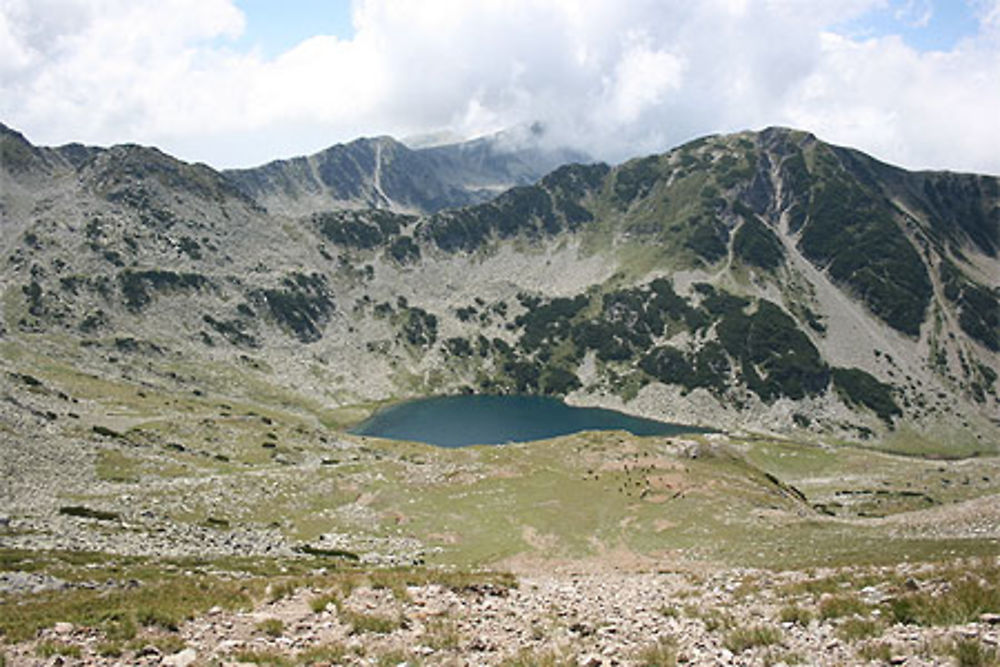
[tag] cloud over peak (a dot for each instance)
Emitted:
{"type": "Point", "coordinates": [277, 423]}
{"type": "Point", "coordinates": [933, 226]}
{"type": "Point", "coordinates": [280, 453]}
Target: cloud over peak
{"type": "Point", "coordinates": [615, 79]}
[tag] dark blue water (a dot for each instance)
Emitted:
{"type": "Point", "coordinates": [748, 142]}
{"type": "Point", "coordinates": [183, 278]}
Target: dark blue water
{"type": "Point", "coordinates": [460, 421]}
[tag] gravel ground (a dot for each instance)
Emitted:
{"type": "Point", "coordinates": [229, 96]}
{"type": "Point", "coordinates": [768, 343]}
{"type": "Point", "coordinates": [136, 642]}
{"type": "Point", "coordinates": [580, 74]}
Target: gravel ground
{"type": "Point", "coordinates": [586, 618]}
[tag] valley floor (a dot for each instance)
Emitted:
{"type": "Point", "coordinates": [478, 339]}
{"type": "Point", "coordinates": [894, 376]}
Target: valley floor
{"type": "Point", "coordinates": [143, 525]}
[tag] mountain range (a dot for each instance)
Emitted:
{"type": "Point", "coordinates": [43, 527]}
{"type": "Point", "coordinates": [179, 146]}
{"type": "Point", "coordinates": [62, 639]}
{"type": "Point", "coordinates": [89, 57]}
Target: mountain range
{"type": "Point", "coordinates": [758, 282]}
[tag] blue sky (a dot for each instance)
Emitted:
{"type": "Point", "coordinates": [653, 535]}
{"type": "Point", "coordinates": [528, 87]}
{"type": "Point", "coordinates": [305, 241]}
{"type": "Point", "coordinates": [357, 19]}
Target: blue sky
{"type": "Point", "coordinates": [275, 27]}
{"type": "Point", "coordinates": [925, 25]}
{"type": "Point", "coordinates": [240, 82]}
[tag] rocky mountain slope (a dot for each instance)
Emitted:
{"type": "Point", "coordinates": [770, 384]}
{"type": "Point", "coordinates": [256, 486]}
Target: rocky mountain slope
{"type": "Point", "coordinates": [762, 281]}
{"type": "Point", "coordinates": [383, 173]}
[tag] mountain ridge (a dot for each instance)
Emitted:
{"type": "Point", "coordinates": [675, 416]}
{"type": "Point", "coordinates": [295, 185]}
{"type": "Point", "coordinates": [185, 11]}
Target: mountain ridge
{"type": "Point", "coordinates": [381, 172]}
{"type": "Point", "coordinates": [761, 280]}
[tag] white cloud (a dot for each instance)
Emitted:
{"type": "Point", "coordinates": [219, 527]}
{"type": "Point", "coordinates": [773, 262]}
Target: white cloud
{"type": "Point", "coordinates": [915, 13]}
{"type": "Point", "coordinates": [933, 109]}
{"type": "Point", "coordinates": [617, 79]}
{"type": "Point", "coordinates": [642, 79]}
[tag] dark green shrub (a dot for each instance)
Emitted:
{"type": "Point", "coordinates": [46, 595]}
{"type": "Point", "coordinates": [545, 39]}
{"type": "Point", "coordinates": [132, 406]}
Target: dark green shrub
{"type": "Point", "coordinates": [137, 285]}
{"type": "Point", "coordinates": [853, 235]}
{"type": "Point", "coordinates": [708, 239]}
{"type": "Point", "coordinates": [636, 178]}
{"type": "Point", "coordinates": [302, 305]}
{"type": "Point", "coordinates": [420, 327]}
{"type": "Point", "coordinates": [363, 230]}
{"type": "Point", "coordinates": [860, 388]}
{"type": "Point", "coordinates": [458, 347]}
{"type": "Point", "coordinates": [232, 330]}
{"type": "Point", "coordinates": [558, 381]}
{"type": "Point", "coordinates": [668, 365]}
{"type": "Point", "coordinates": [963, 206]}
{"type": "Point", "coordinates": [757, 245]}
{"type": "Point", "coordinates": [404, 250]}
{"type": "Point", "coordinates": [775, 358]}
{"type": "Point", "coordinates": [549, 322]}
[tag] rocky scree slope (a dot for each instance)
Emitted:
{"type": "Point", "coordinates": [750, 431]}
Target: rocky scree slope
{"type": "Point", "coordinates": [760, 281]}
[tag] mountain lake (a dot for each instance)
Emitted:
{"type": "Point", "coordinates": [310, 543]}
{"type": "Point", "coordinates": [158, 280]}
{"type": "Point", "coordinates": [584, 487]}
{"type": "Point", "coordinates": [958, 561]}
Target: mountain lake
{"type": "Point", "coordinates": [461, 421]}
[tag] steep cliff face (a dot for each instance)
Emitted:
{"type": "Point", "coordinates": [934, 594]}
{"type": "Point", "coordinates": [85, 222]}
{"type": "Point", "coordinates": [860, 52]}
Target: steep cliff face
{"type": "Point", "coordinates": [764, 281]}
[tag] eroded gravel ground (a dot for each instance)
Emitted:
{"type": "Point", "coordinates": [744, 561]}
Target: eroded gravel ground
{"type": "Point", "coordinates": [566, 617]}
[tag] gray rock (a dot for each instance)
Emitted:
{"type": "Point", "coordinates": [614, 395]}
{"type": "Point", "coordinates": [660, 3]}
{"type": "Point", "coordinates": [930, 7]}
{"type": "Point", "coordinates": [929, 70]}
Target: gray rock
{"type": "Point", "coordinates": [63, 628]}
{"type": "Point", "coordinates": [182, 659]}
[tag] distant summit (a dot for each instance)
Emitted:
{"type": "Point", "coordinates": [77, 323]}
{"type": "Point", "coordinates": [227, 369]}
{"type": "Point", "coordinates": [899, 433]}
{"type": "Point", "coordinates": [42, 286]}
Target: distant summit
{"type": "Point", "coordinates": [424, 177]}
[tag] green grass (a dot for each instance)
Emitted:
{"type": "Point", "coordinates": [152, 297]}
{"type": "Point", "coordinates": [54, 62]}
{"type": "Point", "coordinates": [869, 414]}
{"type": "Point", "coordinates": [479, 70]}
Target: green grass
{"type": "Point", "coordinates": [661, 653]}
{"type": "Point", "coordinates": [839, 606]}
{"type": "Point", "coordinates": [348, 416]}
{"type": "Point", "coordinates": [109, 649]}
{"type": "Point", "coordinates": [741, 639]}
{"type": "Point", "coordinates": [260, 657]}
{"type": "Point", "coordinates": [854, 629]}
{"type": "Point", "coordinates": [796, 615]}
{"type": "Point", "coordinates": [272, 627]}
{"type": "Point", "coordinates": [322, 654]}
{"type": "Point", "coordinates": [115, 466]}
{"type": "Point", "coordinates": [281, 589]}
{"type": "Point", "coordinates": [477, 506]}
{"type": "Point", "coordinates": [320, 603]}
{"type": "Point", "coordinates": [163, 603]}
{"type": "Point", "coordinates": [370, 623]}
{"type": "Point", "coordinates": [716, 619]}
{"type": "Point", "coordinates": [173, 590]}
{"type": "Point", "coordinates": [946, 442]}
{"type": "Point", "coordinates": [974, 653]}
{"type": "Point", "coordinates": [778, 657]}
{"type": "Point", "coordinates": [156, 616]}
{"type": "Point", "coordinates": [442, 634]}
{"type": "Point", "coordinates": [875, 651]}
{"type": "Point", "coordinates": [49, 648]}
{"type": "Point", "coordinates": [669, 611]}
{"type": "Point", "coordinates": [964, 601]}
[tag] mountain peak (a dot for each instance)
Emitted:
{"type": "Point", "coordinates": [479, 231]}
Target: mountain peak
{"type": "Point", "coordinates": [382, 172]}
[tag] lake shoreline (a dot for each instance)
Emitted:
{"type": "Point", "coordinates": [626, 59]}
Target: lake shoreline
{"type": "Point", "coordinates": [488, 419]}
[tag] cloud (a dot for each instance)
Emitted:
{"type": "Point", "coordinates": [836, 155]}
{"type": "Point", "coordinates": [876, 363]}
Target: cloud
{"type": "Point", "coordinates": [615, 79]}
{"type": "Point", "coordinates": [915, 13]}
